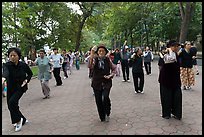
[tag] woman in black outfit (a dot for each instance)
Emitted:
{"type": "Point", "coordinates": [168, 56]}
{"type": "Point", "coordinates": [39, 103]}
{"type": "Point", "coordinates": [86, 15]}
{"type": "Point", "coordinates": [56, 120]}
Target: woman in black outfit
{"type": "Point", "coordinates": [103, 72]}
{"type": "Point", "coordinates": [17, 74]}
{"type": "Point", "coordinates": [170, 83]}
{"type": "Point", "coordinates": [137, 70]}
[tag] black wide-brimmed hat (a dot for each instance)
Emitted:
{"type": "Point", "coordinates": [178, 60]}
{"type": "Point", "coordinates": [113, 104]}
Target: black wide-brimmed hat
{"type": "Point", "coordinates": [102, 46]}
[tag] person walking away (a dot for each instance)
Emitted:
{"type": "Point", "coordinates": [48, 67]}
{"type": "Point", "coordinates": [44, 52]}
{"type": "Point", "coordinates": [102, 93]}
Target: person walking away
{"type": "Point", "coordinates": [103, 72]}
{"type": "Point", "coordinates": [72, 57]}
{"type": "Point", "coordinates": [125, 55]}
{"type": "Point", "coordinates": [147, 60]}
{"type": "Point", "coordinates": [117, 61]}
{"type": "Point", "coordinates": [170, 83]}
{"type": "Point", "coordinates": [187, 73]}
{"type": "Point", "coordinates": [77, 57]}
{"type": "Point", "coordinates": [66, 59]}
{"type": "Point", "coordinates": [17, 75]}
{"type": "Point", "coordinates": [57, 61]}
{"type": "Point", "coordinates": [194, 50]}
{"type": "Point", "coordinates": [44, 72]}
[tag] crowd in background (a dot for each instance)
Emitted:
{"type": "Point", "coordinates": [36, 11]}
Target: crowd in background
{"type": "Point", "coordinates": [177, 69]}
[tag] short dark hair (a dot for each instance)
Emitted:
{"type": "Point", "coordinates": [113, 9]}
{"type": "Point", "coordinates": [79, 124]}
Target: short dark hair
{"type": "Point", "coordinates": [17, 50]}
{"type": "Point", "coordinates": [55, 48]}
{"type": "Point", "coordinates": [172, 43]}
{"type": "Point", "coordinates": [42, 50]}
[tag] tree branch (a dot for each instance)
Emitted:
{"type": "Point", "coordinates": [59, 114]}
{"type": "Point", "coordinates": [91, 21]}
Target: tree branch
{"type": "Point", "coordinates": [181, 10]}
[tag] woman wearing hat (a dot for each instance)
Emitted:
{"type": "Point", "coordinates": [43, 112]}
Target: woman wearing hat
{"type": "Point", "coordinates": [103, 72]}
{"type": "Point", "coordinates": [17, 75]}
{"type": "Point", "coordinates": [170, 83]}
{"type": "Point", "coordinates": [44, 73]}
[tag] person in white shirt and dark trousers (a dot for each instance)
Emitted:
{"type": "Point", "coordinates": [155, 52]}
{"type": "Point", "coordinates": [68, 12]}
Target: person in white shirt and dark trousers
{"type": "Point", "coordinates": [57, 61]}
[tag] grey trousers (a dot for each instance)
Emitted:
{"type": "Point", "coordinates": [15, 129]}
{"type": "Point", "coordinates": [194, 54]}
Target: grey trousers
{"type": "Point", "coordinates": [45, 87]}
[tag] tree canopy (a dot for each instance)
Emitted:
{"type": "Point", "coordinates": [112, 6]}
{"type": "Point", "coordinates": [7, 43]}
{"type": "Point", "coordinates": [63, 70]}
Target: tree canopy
{"type": "Point", "coordinates": [32, 25]}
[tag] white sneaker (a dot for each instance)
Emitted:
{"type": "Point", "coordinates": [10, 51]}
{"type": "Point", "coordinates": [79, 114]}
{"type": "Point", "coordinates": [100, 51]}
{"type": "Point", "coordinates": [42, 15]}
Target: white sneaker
{"type": "Point", "coordinates": [123, 80]}
{"type": "Point", "coordinates": [135, 92]}
{"type": "Point", "coordinates": [142, 92]}
{"type": "Point", "coordinates": [15, 124]}
{"type": "Point", "coordinates": [19, 125]}
{"type": "Point", "coordinates": [128, 80]}
{"type": "Point", "coordinates": [65, 77]}
{"type": "Point", "coordinates": [26, 121]}
{"type": "Point", "coordinates": [107, 118]}
{"type": "Point", "coordinates": [188, 87]}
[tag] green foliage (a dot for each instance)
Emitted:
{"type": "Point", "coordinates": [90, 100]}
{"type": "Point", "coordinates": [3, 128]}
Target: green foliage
{"type": "Point", "coordinates": [35, 24]}
{"type": "Point", "coordinates": [34, 69]}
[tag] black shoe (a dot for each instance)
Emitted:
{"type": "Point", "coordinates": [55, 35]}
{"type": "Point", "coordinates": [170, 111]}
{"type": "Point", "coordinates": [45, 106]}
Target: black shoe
{"type": "Point", "coordinates": [45, 97]}
{"type": "Point", "coordinates": [197, 73]}
{"type": "Point", "coordinates": [184, 88]}
{"type": "Point", "coordinates": [103, 120]}
{"type": "Point", "coordinates": [176, 117]}
{"type": "Point", "coordinates": [166, 117]}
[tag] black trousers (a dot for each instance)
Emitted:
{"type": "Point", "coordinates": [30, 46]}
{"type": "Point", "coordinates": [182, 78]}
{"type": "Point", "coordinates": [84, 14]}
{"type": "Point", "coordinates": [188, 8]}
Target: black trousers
{"type": "Point", "coordinates": [13, 102]}
{"type": "Point", "coordinates": [103, 102]}
{"type": "Point", "coordinates": [171, 101]}
{"type": "Point", "coordinates": [125, 69]}
{"type": "Point", "coordinates": [138, 85]}
{"type": "Point", "coordinates": [58, 79]}
{"type": "Point", "coordinates": [147, 67]}
{"type": "Point", "coordinates": [64, 68]}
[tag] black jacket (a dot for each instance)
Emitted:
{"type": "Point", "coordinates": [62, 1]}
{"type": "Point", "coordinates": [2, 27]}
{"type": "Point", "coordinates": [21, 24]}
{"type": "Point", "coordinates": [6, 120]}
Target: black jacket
{"type": "Point", "coordinates": [15, 75]}
{"type": "Point", "coordinates": [137, 64]}
{"type": "Point", "coordinates": [186, 59]}
{"type": "Point", "coordinates": [98, 80]}
{"type": "Point", "coordinates": [169, 75]}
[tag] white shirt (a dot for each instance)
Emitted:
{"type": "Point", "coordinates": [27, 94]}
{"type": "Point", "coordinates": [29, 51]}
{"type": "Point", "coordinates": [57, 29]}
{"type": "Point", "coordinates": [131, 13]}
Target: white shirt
{"type": "Point", "coordinates": [170, 58]}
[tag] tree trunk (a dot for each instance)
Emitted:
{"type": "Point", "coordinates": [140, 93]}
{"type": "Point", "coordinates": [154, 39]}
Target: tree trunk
{"type": "Point", "coordinates": [186, 18]}
{"type": "Point", "coordinates": [86, 13]}
{"type": "Point", "coordinates": [131, 39]}
{"type": "Point", "coordinates": [146, 33]}
{"type": "Point", "coordinates": [78, 39]}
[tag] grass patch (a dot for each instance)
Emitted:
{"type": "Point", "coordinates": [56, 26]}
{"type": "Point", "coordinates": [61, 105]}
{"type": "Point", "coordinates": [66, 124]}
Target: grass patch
{"type": "Point", "coordinates": [34, 70]}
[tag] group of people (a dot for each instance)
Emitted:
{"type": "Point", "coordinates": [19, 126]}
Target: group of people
{"type": "Point", "coordinates": [17, 74]}
{"type": "Point", "coordinates": [137, 59]}
{"type": "Point", "coordinates": [175, 69]}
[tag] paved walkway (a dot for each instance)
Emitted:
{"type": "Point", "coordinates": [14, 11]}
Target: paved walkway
{"type": "Point", "coordinates": [71, 110]}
